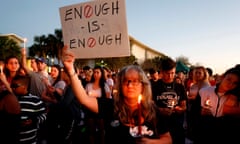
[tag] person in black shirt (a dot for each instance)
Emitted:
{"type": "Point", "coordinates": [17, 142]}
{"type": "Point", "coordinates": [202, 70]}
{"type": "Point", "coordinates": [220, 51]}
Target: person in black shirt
{"type": "Point", "coordinates": [128, 119]}
{"type": "Point", "coordinates": [170, 98]}
{"type": "Point", "coordinates": [154, 80]}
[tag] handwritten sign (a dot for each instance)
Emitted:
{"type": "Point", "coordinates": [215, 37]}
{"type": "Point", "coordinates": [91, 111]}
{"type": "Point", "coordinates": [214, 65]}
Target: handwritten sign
{"type": "Point", "coordinates": [96, 29]}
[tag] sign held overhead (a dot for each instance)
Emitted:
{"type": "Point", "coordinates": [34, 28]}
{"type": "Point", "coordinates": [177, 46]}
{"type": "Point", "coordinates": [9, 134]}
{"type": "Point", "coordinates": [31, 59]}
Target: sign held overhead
{"type": "Point", "coordinates": [96, 29]}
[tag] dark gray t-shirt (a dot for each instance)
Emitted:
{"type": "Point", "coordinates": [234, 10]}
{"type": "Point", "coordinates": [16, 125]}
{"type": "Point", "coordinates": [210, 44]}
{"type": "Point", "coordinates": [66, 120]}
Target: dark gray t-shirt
{"type": "Point", "coordinates": [37, 86]}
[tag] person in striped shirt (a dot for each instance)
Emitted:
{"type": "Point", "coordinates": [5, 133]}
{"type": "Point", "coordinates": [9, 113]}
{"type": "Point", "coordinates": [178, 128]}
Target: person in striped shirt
{"type": "Point", "coordinates": [33, 110]}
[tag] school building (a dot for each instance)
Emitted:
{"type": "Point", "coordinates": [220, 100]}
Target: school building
{"type": "Point", "coordinates": [138, 49]}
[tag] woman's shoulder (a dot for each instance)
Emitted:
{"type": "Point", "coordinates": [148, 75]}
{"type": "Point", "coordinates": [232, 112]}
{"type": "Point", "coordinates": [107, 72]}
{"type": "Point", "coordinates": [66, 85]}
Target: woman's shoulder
{"type": "Point", "coordinates": [205, 84]}
{"type": "Point", "coordinates": [61, 82]}
{"type": "Point", "coordinates": [89, 84]}
{"type": "Point", "coordinates": [207, 89]}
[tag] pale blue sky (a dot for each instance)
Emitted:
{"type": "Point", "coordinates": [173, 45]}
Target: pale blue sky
{"type": "Point", "coordinates": [205, 31]}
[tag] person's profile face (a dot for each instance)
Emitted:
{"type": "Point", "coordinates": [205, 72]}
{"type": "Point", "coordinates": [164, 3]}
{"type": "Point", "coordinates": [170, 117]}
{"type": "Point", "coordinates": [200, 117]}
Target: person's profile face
{"type": "Point", "coordinates": [230, 81]}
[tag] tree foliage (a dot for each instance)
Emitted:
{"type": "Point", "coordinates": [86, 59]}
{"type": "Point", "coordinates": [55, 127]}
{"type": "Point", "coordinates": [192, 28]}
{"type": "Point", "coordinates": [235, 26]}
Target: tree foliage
{"type": "Point", "coordinates": [184, 60]}
{"type": "Point", "coordinates": [9, 47]}
{"type": "Point", "coordinates": [50, 45]}
{"type": "Point", "coordinates": [115, 63]}
{"type": "Point", "coordinates": [152, 63]}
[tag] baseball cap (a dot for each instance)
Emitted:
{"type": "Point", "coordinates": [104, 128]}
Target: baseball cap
{"type": "Point", "coordinates": [41, 59]}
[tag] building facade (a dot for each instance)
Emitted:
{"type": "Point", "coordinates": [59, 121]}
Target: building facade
{"type": "Point", "coordinates": [141, 51]}
{"type": "Point", "coordinates": [19, 40]}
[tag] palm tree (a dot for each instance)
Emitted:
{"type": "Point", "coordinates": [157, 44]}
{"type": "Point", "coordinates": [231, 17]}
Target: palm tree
{"type": "Point", "coordinates": [39, 47]}
{"type": "Point", "coordinates": [45, 46]}
{"type": "Point", "coordinates": [59, 44]}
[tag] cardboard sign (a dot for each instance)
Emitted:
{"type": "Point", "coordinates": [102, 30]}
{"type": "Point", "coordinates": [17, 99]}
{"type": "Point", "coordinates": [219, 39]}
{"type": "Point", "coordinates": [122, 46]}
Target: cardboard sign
{"type": "Point", "coordinates": [96, 29]}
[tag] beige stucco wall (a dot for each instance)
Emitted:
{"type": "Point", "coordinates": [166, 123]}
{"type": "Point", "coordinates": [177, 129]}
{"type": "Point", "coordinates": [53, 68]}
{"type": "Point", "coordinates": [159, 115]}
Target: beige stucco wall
{"type": "Point", "coordinates": [142, 52]}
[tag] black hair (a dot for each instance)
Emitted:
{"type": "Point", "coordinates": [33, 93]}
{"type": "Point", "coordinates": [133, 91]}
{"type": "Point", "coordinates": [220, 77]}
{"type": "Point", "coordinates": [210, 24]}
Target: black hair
{"type": "Point", "coordinates": [167, 64]}
{"type": "Point", "coordinates": [25, 80]}
{"type": "Point", "coordinates": [6, 71]}
{"type": "Point", "coordinates": [86, 67]}
{"type": "Point", "coordinates": [59, 73]}
{"type": "Point", "coordinates": [210, 71]}
{"type": "Point", "coordinates": [152, 71]}
{"type": "Point", "coordinates": [235, 71]}
{"type": "Point", "coordinates": [102, 81]}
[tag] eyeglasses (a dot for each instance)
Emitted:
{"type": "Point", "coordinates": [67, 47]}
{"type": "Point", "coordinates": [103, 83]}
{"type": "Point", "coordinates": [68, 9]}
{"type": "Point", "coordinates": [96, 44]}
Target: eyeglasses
{"type": "Point", "coordinates": [16, 85]}
{"type": "Point", "coordinates": [133, 82]}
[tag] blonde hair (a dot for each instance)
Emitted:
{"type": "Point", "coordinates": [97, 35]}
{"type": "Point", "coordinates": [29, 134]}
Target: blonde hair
{"type": "Point", "coordinates": [205, 72]}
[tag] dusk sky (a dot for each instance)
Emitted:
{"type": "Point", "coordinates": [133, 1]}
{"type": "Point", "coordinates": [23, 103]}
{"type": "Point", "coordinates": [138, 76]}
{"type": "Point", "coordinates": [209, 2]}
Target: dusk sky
{"type": "Point", "coordinates": [207, 32]}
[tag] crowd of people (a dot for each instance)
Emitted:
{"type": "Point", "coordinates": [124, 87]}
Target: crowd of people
{"type": "Point", "coordinates": [95, 105]}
